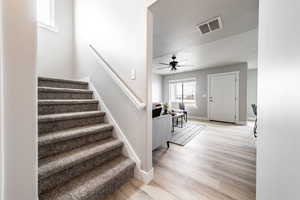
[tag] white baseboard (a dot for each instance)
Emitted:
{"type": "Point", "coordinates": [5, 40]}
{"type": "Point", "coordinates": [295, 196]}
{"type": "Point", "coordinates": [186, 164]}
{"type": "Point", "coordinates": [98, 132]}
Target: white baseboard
{"type": "Point", "coordinates": [145, 177]}
{"type": "Point", "coordinates": [198, 118]}
{"type": "Point", "coordinates": [251, 118]}
{"type": "Point", "coordinates": [128, 150]}
{"type": "Point", "coordinates": [244, 123]}
{"type": "Point", "coordinates": [206, 119]}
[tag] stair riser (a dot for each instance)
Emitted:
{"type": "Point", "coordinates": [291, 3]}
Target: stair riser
{"type": "Point", "coordinates": [66, 95]}
{"type": "Point", "coordinates": [45, 83]}
{"type": "Point", "coordinates": [46, 127]}
{"type": "Point", "coordinates": [66, 108]}
{"type": "Point", "coordinates": [113, 185]}
{"type": "Point", "coordinates": [59, 147]}
{"type": "Point", "coordinates": [62, 177]}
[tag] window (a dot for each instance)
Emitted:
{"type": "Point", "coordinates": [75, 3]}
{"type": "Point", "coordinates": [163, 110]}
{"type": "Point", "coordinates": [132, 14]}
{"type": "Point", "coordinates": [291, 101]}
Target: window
{"type": "Point", "coordinates": [46, 14]}
{"type": "Point", "coordinates": [183, 91]}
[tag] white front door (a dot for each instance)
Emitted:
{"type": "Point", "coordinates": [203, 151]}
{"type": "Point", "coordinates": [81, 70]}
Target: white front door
{"type": "Point", "coordinates": [223, 97]}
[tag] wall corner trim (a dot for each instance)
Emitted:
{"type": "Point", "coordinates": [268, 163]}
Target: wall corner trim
{"type": "Point", "coordinates": [244, 123]}
{"type": "Point", "coordinates": [198, 118]}
{"type": "Point", "coordinates": [145, 177]}
{"type": "Point", "coordinates": [128, 150]}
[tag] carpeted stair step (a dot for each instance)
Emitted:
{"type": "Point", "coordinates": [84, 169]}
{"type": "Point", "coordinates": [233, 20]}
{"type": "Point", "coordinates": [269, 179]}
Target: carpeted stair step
{"type": "Point", "coordinates": [56, 122]}
{"type": "Point", "coordinates": [56, 170]}
{"type": "Point", "coordinates": [65, 106]}
{"type": "Point", "coordinates": [61, 83]}
{"type": "Point", "coordinates": [95, 184]}
{"type": "Point", "coordinates": [78, 157]}
{"type": "Point", "coordinates": [60, 141]}
{"type": "Point", "coordinates": [63, 93]}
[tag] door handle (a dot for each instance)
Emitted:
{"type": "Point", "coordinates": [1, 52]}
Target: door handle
{"type": "Point", "coordinates": [211, 99]}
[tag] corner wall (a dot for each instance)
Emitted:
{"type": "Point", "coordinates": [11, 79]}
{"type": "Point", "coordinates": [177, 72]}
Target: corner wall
{"type": "Point", "coordinates": [1, 109]}
{"type": "Point", "coordinates": [55, 54]}
{"type": "Point", "coordinates": [200, 111]}
{"type": "Point", "coordinates": [19, 99]}
{"type": "Point", "coordinates": [251, 92]}
{"type": "Point", "coordinates": [157, 88]}
{"type": "Point", "coordinates": [278, 144]}
{"type": "Point", "coordinates": [118, 30]}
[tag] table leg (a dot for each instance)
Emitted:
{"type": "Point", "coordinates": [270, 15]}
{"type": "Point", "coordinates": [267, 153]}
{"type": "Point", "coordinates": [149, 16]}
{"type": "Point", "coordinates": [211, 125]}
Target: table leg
{"type": "Point", "coordinates": [173, 124]}
{"type": "Point", "coordinates": [182, 118]}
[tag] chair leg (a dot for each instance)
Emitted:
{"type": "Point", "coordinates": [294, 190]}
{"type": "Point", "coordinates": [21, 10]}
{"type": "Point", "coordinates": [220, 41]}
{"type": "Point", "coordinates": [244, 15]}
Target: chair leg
{"type": "Point", "coordinates": [255, 129]}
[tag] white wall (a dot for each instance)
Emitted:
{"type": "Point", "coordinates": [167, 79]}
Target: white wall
{"type": "Point", "coordinates": [157, 88]}
{"type": "Point", "coordinates": [278, 162]}
{"type": "Point", "coordinates": [251, 92]}
{"type": "Point", "coordinates": [1, 110]}
{"type": "Point", "coordinates": [200, 110]}
{"type": "Point", "coordinates": [118, 30]}
{"type": "Point", "coordinates": [55, 49]}
{"type": "Point", "coordinates": [19, 98]}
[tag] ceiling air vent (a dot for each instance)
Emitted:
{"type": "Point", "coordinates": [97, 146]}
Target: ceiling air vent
{"type": "Point", "coordinates": [210, 25]}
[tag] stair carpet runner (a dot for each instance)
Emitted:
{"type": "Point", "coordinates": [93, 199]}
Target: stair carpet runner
{"type": "Point", "coordinates": [79, 159]}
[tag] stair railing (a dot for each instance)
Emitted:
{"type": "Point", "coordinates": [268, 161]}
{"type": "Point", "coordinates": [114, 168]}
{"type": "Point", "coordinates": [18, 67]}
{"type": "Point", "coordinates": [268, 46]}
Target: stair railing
{"type": "Point", "coordinates": [140, 105]}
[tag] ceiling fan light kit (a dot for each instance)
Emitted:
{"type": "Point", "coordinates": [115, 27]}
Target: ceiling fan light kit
{"type": "Point", "coordinates": [173, 65]}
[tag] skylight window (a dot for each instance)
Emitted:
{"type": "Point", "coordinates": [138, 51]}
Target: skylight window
{"type": "Point", "coordinates": [46, 14]}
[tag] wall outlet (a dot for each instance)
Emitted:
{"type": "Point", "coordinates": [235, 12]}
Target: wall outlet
{"type": "Point", "coordinates": [133, 74]}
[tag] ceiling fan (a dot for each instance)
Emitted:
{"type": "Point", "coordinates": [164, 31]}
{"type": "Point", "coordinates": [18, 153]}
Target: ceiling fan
{"type": "Point", "coordinates": [173, 64]}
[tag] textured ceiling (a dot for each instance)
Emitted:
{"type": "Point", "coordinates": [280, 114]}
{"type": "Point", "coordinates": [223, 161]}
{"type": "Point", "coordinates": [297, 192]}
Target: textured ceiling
{"type": "Point", "coordinates": [175, 31]}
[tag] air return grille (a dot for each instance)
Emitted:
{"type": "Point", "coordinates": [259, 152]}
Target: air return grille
{"type": "Point", "coordinates": [210, 25]}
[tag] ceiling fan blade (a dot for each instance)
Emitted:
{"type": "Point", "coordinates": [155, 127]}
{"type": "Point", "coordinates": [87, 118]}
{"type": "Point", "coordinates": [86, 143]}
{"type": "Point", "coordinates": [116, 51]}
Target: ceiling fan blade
{"type": "Point", "coordinates": [161, 68]}
{"type": "Point", "coordinates": [164, 64]}
{"type": "Point", "coordinates": [187, 66]}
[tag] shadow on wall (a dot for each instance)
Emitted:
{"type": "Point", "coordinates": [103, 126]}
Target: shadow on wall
{"type": "Point", "coordinates": [129, 118]}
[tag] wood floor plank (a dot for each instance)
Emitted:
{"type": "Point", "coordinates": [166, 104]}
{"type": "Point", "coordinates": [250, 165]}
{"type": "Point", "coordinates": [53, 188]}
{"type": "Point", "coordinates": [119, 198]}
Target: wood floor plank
{"type": "Point", "coordinates": [218, 164]}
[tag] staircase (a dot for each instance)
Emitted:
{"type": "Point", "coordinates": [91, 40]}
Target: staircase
{"type": "Point", "coordinates": [79, 159]}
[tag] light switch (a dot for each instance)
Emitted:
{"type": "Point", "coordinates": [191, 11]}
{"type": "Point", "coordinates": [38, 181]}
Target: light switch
{"type": "Point", "coordinates": [133, 74]}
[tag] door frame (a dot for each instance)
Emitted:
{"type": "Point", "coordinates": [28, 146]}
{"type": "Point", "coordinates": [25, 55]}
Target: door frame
{"type": "Point", "coordinates": [1, 108]}
{"type": "Point", "coordinates": [237, 91]}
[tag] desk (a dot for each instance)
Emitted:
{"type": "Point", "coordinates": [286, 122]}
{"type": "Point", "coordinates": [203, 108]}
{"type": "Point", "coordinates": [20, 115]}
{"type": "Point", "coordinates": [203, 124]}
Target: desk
{"type": "Point", "coordinates": [161, 129]}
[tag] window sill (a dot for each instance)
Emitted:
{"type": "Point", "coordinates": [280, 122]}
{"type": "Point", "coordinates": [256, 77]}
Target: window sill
{"type": "Point", "coordinates": [48, 27]}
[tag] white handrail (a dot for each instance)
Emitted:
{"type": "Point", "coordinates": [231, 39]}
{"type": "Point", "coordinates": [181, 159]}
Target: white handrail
{"type": "Point", "coordinates": [124, 87]}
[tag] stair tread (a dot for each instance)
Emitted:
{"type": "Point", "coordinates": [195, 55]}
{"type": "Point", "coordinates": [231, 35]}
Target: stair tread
{"type": "Point", "coordinates": [89, 183]}
{"type": "Point", "coordinates": [62, 80]}
{"type": "Point", "coordinates": [66, 90]}
{"type": "Point", "coordinates": [67, 101]}
{"type": "Point", "coordinates": [67, 116]}
{"type": "Point", "coordinates": [58, 136]}
{"type": "Point", "coordinates": [54, 164]}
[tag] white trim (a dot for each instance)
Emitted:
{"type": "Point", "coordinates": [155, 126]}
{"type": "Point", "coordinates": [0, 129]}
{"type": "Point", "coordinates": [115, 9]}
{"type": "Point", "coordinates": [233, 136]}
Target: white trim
{"type": "Point", "coordinates": [1, 113]}
{"type": "Point", "coordinates": [52, 25]}
{"type": "Point", "coordinates": [118, 80]}
{"type": "Point", "coordinates": [244, 123]}
{"type": "Point", "coordinates": [198, 118]}
{"type": "Point", "coordinates": [149, 3]}
{"type": "Point", "coordinates": [47, 27]}
{"type": "Point", "coordinates": [183, 80]}
{"type": "Point", "coordinates": [237, 91]}
{"type": "Point", "coordinates": [251, 119]}
{"type": "Point", "coordinates": [128, 150]}
{"type": "Point", "coordinates": [145, 177]}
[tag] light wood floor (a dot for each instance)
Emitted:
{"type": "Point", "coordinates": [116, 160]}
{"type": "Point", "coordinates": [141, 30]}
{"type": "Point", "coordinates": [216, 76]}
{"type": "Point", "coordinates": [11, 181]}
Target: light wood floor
{"type": "Point", "coordinates": [219, 164]}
